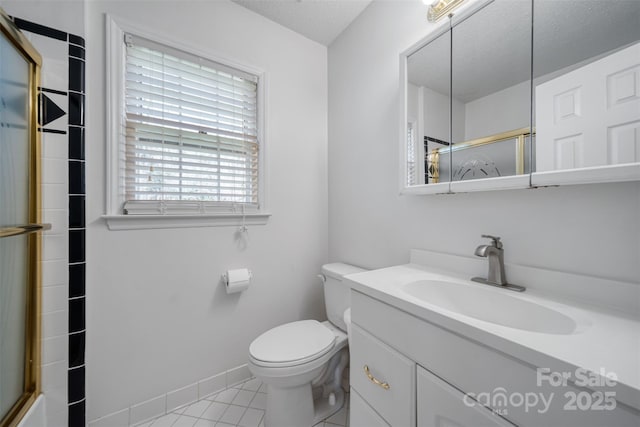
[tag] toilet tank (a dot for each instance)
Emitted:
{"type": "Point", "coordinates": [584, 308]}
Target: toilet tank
{"type": "Point", "coordinates": [337, 294]}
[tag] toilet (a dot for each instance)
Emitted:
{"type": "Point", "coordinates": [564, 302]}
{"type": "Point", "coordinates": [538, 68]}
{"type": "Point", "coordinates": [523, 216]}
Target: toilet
{"type": "Point", "coordinates": [302, 362]}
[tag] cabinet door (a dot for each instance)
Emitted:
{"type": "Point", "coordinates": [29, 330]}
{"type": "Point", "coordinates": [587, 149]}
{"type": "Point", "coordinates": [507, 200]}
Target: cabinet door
{"type": "Point", "coordinates": [362, 415]}
{"type": "Point", "coordinates": [441, 405]}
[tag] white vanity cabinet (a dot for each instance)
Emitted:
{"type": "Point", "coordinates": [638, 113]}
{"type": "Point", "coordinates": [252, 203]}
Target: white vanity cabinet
{"type": "Point", "coordinates": [429, 370]}
{"type": "Point", "coordinates": [441, 405]}
{"type": "Point", "coordinates": [363, 415]}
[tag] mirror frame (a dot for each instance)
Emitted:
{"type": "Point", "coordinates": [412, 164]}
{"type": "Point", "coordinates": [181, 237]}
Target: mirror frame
{"type": "Point", "coordinates": [588, 175]}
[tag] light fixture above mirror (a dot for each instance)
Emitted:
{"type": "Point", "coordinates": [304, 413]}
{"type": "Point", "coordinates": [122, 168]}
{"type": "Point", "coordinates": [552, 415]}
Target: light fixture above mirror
{"type": "Point", "coordinates": [440, 8]}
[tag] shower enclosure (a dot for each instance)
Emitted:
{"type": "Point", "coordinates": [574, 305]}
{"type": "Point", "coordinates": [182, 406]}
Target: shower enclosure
{"type": "Point", "coordinates": [19, 224]}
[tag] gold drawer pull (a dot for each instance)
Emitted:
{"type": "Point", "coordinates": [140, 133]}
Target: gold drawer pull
{"type": "Point", "coordinates": [374, 379]}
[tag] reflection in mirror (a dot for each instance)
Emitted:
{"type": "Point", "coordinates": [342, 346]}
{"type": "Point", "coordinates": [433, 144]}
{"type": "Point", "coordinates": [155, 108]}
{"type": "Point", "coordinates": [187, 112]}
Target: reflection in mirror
{"type": "Point", "coordinates": [491, 92]}
{"type": "Point", "coordinates": [586, 83]}
{"type": "Point", "coordinates": [428, 116]}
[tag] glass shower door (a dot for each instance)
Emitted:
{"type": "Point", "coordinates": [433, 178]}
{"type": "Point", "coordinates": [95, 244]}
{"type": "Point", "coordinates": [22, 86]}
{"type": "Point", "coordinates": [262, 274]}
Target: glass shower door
{"type": "Point", "coordinates": [14, 211]}
{"type": "Point", "coordinates": [19, 216]}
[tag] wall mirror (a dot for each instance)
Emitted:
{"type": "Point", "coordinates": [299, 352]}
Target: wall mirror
{"type": "Point", "coordinates": [586, 75]}
{"type": "Point", "coordinates": [428, 124]}
{"type": "Point", "coordinates": [549, 94]}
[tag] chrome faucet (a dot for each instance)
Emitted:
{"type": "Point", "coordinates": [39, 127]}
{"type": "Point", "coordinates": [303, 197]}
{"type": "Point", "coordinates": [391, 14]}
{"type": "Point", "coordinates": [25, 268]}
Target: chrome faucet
{"type": "Point", "coordinates": [495, 255]}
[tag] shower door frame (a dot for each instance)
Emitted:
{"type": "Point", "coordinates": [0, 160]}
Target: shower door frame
{"type": "Point", "coordinates": [32, 366]}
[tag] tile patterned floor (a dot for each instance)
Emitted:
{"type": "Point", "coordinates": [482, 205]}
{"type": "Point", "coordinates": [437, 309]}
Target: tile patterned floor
{"type": "Point", "coordinates": [241, 405]}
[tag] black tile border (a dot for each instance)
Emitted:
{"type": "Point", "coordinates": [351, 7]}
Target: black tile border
{"type": "Point", "coordinates": [76, 51]}
{"type": "Point", "coordinates": [76, 246]}
{"type": "Point", "coordinates": [77, 280]}
{"type": "Point", "coordinates": [58, 131]}
{"type": "Point", "coordinates": [76, 381]}
{"type": "Point", "coordinates": [77, 234]}
{"type": "Point", "coordinates": [76, 211]}
{"type": "Point", "coordinates": [77, 40]}
{"type": "Point", "coordinates": [57, 92]}
{"type": "Point", "coordinates": [76, 142]}
{"type": "Point", "coordinates": [76, 177]}
{"type": "Point", "coordinates": [76, 350]}
{"type": "Point", "coordinates": [42, 30]}
{"type": "Point", "coordinates": [76, 75]}
{"type": "Point", "coordinates": [76, 106]}
{"type": "Point", "coordinates": [77, 266]}
{"type": "Point", "coordinates": [77, 414]}
{"type": "Point", "coordinates": [76, 315]}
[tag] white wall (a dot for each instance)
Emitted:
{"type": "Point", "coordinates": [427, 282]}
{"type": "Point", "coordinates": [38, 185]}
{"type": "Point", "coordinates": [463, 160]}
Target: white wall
{"type": "Point", "coordinates": [436, 116]}
{"type": "Point", "coordinates": [65, 15]}
{"type": "Point", "coordinates": [585, 229]}
{"type": "Point", "coordinates": [157, 316]}
{"type": "Point", "coordinates": [501, 111]}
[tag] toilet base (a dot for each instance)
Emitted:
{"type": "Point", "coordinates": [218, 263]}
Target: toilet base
{"type": "Point", "coordinates": [289, 407]}
{"type": "Point", "coordinates": [324, 410]}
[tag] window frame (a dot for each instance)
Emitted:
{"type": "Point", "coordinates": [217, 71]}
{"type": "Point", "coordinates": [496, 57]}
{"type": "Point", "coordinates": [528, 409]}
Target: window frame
{"type": "Point", "coordinates": [227, 215]}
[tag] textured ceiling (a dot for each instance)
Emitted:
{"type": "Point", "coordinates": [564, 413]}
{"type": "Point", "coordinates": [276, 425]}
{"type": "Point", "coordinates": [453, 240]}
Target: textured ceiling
{"type": "Point", "coordinates": [319, 20]}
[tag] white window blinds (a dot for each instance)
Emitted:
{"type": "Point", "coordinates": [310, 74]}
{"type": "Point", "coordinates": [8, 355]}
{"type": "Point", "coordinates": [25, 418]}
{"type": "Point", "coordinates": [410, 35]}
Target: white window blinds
{"type": "Point", "coordinates": [189, 142]}
{"type": "Point", "coordinates": [411, 155]}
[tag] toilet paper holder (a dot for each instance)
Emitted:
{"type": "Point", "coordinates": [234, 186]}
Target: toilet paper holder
{"type": "Point", "coordinates": [237, 280]}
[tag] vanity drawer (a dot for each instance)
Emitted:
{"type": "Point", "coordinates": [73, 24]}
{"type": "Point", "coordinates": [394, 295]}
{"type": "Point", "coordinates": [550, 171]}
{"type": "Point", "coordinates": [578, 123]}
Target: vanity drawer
{"type": "Point", "coordinates": [361, 414]}
{"type": "Point", "coordinates": [477, 368]}
{"type": "Point", "coordinates": [441, 405]}
{"type": "Point", "coordinates": [383, 377]}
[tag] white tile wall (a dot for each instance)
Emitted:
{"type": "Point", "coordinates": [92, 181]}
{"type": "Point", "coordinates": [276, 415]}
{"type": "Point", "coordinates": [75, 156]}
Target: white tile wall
{"type": "Point", "coordinates": [59, 220]}
{"type": "Point", "coordinates": [54, 171]}
{"type": "Point", "coordinates": [120, 418]}
{"type": "Point", "coordinates": [54, 349]}
{"type": "Point", "coordinates": [54, 298]}
{"type": "Point", "coordinates": [55, 323]}
{"type": "Point", "coordinates": [54, 272]}
{"type": "Point", "coordinates": [212, 385]}
{"type": "Point", "coordinates": [55, 246]}
{"type": "Point", "coordinates": [181, 397]}
{"type": "Point", "coordinates": [54, 387]}
{"type": "Point", "coordinates": [239, 374]}
{"type": "Point", "coordinates": [54, 196]}
{"type": "Point", "coordinates": [239, 390]}
{"type": "Point", "coordinates": [55, 146]}
{"type": "Point", "coordinates": [149, 409]}
{"type": "Point", "coordinates": [55, 242]}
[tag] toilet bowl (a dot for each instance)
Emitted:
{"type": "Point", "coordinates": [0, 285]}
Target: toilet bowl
{"type": "Point", "coordinates": [302, 362]}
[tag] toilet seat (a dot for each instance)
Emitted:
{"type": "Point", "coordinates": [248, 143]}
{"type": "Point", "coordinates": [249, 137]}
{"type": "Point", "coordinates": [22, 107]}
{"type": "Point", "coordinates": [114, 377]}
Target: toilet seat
{"type": "Point", "coordinates": [292, 344]}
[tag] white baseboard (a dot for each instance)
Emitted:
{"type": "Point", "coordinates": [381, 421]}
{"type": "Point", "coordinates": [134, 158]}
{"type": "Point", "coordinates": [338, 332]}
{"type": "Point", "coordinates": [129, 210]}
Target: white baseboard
{"type": "Point", "coordinates": [171, 400]}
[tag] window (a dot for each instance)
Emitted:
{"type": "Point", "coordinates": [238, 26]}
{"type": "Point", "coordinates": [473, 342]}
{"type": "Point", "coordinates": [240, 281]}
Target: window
{"type": "Point", "coordinates": [411, 154]}
{"type": "Point", "coordinates": [186, 132]}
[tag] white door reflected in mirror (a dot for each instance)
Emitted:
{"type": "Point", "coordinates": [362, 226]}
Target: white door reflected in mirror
{"type": "Point", "coordinates": [477, 90]}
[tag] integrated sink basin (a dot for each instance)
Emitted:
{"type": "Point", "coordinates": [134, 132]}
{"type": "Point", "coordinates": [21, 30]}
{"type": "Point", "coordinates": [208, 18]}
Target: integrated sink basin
{"type": "Point", "coordinates": [491, 306]}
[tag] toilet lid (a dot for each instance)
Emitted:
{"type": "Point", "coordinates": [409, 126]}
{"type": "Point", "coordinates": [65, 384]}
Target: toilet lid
{"type": "Point", "coordinates": [293, 342]}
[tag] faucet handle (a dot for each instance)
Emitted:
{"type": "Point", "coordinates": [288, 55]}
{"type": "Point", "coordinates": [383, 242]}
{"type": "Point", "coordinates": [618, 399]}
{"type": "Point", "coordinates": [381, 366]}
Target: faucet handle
{"type": "Point", "coordinates": [496, 240]}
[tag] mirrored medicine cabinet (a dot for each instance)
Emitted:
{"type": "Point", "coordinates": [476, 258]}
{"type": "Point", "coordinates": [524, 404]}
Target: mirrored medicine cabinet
{"type": "Point", "coordinates": [523, 93]}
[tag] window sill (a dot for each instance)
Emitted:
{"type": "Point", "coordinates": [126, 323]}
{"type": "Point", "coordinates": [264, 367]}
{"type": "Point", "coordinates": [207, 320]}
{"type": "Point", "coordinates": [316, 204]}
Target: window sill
{"type": "Point", "coordinates": [145, 222]}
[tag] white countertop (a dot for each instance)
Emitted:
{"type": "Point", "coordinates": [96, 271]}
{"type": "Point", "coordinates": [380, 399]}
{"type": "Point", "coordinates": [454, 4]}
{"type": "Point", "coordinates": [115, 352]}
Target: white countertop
{"type": "Point", "coordinates": [605, 342]}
